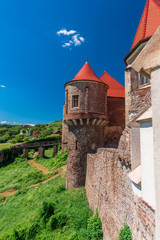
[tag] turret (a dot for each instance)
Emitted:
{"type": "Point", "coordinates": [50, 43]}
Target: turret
{"type": "Point", "coordinates": [84, 117]}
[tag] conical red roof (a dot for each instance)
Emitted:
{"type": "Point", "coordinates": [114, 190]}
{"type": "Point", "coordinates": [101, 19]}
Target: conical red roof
{"type": "Point", "coordinates": [115, 88]}
{"type": "Point", "coordinates": [86, 73]}
{"type": "Point", "coordinates": [149, 22]}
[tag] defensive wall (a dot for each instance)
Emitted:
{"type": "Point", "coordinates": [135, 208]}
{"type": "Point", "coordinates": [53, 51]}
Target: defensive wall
{"type": "Point", "coordinates": [109, 190]}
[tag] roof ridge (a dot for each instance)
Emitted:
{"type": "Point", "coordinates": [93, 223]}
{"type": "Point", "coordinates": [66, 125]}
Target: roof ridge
{"type": "Point", "coordinates": [158, 4]}
{"type": "Point", "coordinates": [146, 19]}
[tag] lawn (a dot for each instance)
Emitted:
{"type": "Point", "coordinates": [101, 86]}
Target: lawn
{"type": "Point", "coordinates": [52, 163]}
{"type": "Point", "coordinates": [19, 174]}
{"type": "Point", "coordinates": [47, 212]}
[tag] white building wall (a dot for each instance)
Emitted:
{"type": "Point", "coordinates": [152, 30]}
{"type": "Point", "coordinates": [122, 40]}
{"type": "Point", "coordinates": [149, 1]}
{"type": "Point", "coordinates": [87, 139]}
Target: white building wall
{"type": "Point", "coordinates": [147, 163]}
{"type": "Point", "coordinates": [135, 147]}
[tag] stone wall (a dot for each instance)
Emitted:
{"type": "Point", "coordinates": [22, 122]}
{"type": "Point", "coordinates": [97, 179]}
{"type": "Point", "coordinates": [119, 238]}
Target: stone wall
{"type": "Point", "coordinates": [116, 121]}
{"type": "Point", "coordinates": [81, 140]}
{"type": "Point", "coordinates": [109, 190]}
{"type": "Point", "coordinates": [116, 111]}
{"type": "Point", "coordinates": [140, 101]}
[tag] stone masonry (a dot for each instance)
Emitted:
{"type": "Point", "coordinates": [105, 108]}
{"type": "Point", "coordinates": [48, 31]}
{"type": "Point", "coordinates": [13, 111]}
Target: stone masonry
{"type": "Point", "coordinates": [109, 190]}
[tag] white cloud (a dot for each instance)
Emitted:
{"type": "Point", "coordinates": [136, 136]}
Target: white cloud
{"type": "Point", "coordinates": [67, 44]}
{"type": "Point", "coordinates": [65, 32]}
{"type": "Point", "coordinates": [82, 39]}
{"type": "Point", "coordinates": [3, 122]}
{"type": "Point", "coordinates": [75, 38]}
{"type": "Point", "coordinates": [2, 86]}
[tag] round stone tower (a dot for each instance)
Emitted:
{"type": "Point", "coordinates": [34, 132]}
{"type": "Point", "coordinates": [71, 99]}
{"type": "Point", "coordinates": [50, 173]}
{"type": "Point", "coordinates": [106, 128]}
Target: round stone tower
{"type": "Point", "coordinates": [84, 117]}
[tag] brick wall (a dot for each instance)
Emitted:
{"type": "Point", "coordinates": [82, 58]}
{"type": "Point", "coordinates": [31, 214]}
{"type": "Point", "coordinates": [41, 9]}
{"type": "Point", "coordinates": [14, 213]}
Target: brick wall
{"type": "Point", "coordinates": [109, 190]}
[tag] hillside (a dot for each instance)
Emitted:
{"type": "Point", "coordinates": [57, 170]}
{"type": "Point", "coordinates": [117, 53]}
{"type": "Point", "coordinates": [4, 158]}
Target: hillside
{"type": "Point", "coordinates": [12, 134]}
{"type": "Point", "coordinates": [35, 205]}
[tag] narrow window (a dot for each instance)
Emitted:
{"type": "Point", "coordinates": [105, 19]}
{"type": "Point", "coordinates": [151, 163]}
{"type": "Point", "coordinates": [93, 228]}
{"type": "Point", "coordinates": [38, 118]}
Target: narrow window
{"type": "Point", "coordinates": [143, 80]}
{"type": "Point", "coordinates": [75, 101]}
{"type": "Point", "coordinates": [76, 144]}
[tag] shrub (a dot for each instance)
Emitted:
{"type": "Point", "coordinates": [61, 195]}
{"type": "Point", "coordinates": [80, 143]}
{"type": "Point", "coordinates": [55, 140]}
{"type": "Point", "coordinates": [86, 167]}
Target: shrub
{"type": "Point", "coordinates": [46, 211]}
{"type": "Point", "coordinates": [52, 224]}
{"type": "Point", "coordinates": [125, 233]}
{"type": "Point", "coordinates": [60, 188]}
{"type": "Point", "coordinates": [61, 219]}
{"type": "Point", "coordinates": [94, 228]}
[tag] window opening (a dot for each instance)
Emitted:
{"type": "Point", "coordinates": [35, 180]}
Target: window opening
{"type": "Point", "coordinates": [75, 101]}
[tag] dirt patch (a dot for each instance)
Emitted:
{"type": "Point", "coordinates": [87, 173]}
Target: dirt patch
{"type": "Point", "coordinates": [4, 200]}
{"type": "Point", "coordinates": [8, 193]}
{"type": "Point", "coordinates": [39, 166]}
{"type": "Point", "coordinates": [64, 169]}
{"type": "Point", "coordinates": [12, 191]}
{"type": "Point", "coordinates": [35, 154]}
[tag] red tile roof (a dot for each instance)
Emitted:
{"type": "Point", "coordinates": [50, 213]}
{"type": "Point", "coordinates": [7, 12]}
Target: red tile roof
{"type": "Point", "coordinates": [115, 88]}
{"type": "Point", "coordinates": [86, 73]}
{"type": "Point", "coordinates": [149, 22]}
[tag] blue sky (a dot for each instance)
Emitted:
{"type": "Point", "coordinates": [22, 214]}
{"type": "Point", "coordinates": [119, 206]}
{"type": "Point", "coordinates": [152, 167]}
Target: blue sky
{"type": "Point", "coordinates": [36, 62]}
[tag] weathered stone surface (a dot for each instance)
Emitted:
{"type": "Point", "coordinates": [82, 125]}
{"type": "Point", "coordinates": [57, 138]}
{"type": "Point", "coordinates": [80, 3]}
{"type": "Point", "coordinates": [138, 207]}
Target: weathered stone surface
{"type": "Point", "coordinates": [81, 140]}
{"type": "Point", "coordinates": [55, 151]}
{"type": "Point", "coordinates": [41, 152]}
{"type": "Point", "coordinates": [140, 101]}
{"type": "Point", "coordinates": [25, 153]}
{"type": "Point", "coordinates": [109, 190]}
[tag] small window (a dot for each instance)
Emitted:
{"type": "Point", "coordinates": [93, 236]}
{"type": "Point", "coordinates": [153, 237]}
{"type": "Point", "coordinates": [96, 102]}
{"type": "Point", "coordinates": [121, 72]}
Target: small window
{"type": "Point", "coordinates": [144, 80]}
{"type": "Point", "coordinates": [75, 101]}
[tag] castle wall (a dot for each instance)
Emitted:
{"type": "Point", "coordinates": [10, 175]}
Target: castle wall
{"type": "Point", "coordinates": [116, 121]}
{"type": "Point", "coordinates": [109, 190]}
{"type": "Point", "coordinates": [81, 140]}
{"type": "Point", "coordinates": [116, 111]}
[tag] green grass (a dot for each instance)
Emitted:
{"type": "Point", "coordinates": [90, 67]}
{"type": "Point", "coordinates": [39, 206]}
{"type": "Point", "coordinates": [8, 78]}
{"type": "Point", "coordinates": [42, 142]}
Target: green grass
{"type": "Point", "coordinates": [5, 145]}
{"type": "Point", "coordinates": [47, 211]}
{"type": "Point", "coordinates": [19, 174]}
{"type": "Point", "coordinates": [52, 163]}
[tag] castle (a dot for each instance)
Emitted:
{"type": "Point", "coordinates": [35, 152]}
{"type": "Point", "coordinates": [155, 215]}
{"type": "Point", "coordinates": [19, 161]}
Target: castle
{"type": "Point", "coordinates": [113, 138]}
{"type": "Point", "coordinates": [90, 119]}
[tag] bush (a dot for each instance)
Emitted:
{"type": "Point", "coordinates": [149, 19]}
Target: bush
{"type": "Point", "coordinates": [46, 211]}
{"type": "Point", "coordinates": [57, 221]}
{"type": "Point", "coordinates": [60, 188]}
{"type": "Point", "coordinates": [94, 228]}
{"type": "Point", "coordinates": [125, 233]}
{"type": "Point", "coordinates": [52, 224]}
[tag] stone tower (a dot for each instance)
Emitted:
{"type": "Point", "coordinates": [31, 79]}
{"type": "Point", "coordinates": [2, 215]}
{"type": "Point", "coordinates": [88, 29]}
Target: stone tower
{"type": "Point", "coordinates": [84, 117]}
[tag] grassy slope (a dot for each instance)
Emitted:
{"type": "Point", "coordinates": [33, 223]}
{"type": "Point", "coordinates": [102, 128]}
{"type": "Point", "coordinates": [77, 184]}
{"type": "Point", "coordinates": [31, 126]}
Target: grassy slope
{"type": "Point", "coordinates": [53, 163]}
{"type": "Point", "coordinates": [23, 209]}
{"type": "Point", "coordinates": [19, 174]}
{"type": "Point", "coordinates": [21, 216]}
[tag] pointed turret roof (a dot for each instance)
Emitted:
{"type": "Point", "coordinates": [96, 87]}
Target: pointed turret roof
{"type": "Point", "coordinates": [149, 22]}
{"type": "Point", "coordinates": [86, 73]}
{"type": "Point", "coordinates": [115, 88]}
